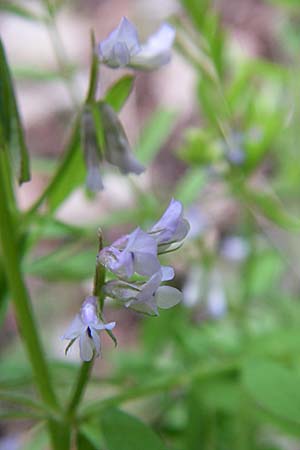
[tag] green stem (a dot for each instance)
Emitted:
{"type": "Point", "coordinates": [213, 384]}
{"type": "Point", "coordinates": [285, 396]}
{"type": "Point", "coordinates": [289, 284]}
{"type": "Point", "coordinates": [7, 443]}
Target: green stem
{"type": "Point", "coordinates": [9, 241]}
{"type": "Point", "coordinates": [86, 367]}
{"type": "Point", "coordinates": [83, 377]}
{"type": "Point", "coordinates": [9, 244]}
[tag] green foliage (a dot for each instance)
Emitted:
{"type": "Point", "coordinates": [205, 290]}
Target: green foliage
{"type": "Point", "coordinates": [132, 433]}
{"type": "Point", "coordinates": [193, 378]}
{"type": "Point", "coordinates": [11, 131]}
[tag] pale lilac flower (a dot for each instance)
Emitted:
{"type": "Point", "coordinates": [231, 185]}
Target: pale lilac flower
{"type": "Point", "coordinates": [117, 148]}
{"type": "Point", "coordinates": [172, 227]}
{"type": "Point", "coordinates": [133, 253]}
{"type": "Point", "coordinates": [122, 47]}
{"type": "Point", "coordinates": [85, 327]}
{"type": "Point", "coordinates": [92, 153]}
{"type": "Point", "coordinates": [147, 296]}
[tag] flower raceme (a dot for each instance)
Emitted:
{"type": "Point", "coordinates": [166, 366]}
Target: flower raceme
{"type": "Point", "coordinates": [122, 47]}
{"type": "Point", "coordinates": [133, 260]}
{"type": "Point", "coordinates": [137, 254]}
{"type": "Point", "coordinates": [86, 327]}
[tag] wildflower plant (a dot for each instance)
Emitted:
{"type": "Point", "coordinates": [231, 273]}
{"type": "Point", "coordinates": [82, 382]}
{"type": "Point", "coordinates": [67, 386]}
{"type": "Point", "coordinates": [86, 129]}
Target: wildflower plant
{"type": "Point", "coordinates": [215, 347]}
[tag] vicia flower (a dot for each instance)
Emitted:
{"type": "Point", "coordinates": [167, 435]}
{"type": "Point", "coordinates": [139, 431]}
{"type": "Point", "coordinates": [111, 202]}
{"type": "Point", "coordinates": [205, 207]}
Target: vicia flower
{"type": "Point", "coordinates": [122, 47]}
{"type": "Point", "coordinates": [92, 152]}
{"type": "Point", "coordinates": [172, 227]}
{"type": "Point", "coordinates": [146, 297]}
{"type": "Point", "coordinates": [133, 253]}
{"type": "Point", "coordinates": [116, 148]}
{"type": "Point", "coordinates": [85, 327]}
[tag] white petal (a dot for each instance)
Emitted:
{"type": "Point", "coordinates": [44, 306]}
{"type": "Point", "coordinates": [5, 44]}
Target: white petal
{"type": "Point", "coordinates": [104, 326]}
{"type": "Point", "coordinates": [96, 341]}
{"type": "Point", "coordinates": [167, 273]}
{"type": "Point", "coordinates": [167, 296]}
{"type": "Point", "coordinates": [156, 51]}
{"type": "Point", "coordinates": [110, 325]}
{"type": "Point", "coordinates": [75, 329]}
{"type": "Point", "coordinates": [86, 347]}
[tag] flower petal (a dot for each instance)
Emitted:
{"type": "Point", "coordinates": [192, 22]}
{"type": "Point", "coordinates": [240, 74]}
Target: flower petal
{"type": "Point", "coordinates": [86, 347]}
{"type": "Point", "coordinates": [145, 264]}
{"type": "Point", "coordinates": [167, 273]}
{"type": "Point", "coordinates": [167, 296]}
{"type": "Point", "coordinates": [156, 51]}
{"type": "Point", "coordinates": [75, 329]}
{"type": "Point", "coordinates": [96, 341]}
{"type": "Point", "coordinates": [164, 229]}
{"type": "Point", "coordinates": [149, 288]}
{"type": "Point", "coordinates": [121, 43]}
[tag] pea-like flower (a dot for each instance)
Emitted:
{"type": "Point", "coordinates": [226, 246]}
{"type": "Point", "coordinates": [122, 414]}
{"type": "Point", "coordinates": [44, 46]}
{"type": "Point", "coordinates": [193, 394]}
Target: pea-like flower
{"type": "Point", "coordinates": [172, 227]}
{"type": "Point", "coordinates": [122, 47]}
{"type": "Point", "coordinates": [147, 296]}
{"type": "Point", "coordinates": [85, 327]}
{"type": "Point", "coordinates": [133, 253]}
{"type": "Point", "coordinates": [114, 149]}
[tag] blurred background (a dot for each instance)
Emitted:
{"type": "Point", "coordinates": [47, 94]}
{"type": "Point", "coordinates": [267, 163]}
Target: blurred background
{"type": "Point", "coordinates": [217, 129]}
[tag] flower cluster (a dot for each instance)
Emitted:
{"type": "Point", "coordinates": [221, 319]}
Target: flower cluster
{"type": "Point", "coordinates": [133, 259]}
{"type": "Point", "coordinates": [136, 254]}
{"type": "Point", "coordinates": [121, 48]}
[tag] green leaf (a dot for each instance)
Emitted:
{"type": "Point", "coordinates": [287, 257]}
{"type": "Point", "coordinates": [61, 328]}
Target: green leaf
{"type": "Point", "coordinates": [123, 431]}
{"type": "Point", "coordinates": [154, 135]}
{"type": "Point", "coordinates": [67, 263]}
{"type": "Point", "coordinates": [11, 130]}
{"type": "Point", "coordinates": [84, 443]}
{"type": "Point", "coordinates": [196, 9]}
{"type": "Point", "coordinates": [118, 93]}
{"type": "Point", "coordinates": [70, 173]}
{"type": "Point", "coordinates": [274, 389]}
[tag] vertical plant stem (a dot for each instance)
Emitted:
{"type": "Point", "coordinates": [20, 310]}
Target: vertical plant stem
{"type": "Point", "coordinates": [79, 388]}
{"type": "Point", "coordinates": [86, 367]}
{"type": "Point", "coordinates": [25, 318]}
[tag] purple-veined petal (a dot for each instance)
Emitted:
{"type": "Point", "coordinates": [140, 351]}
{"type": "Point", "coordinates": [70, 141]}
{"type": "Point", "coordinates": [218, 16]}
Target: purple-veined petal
{"type": "Point", "coordinates": [88, 311]}
{"type": "Point", "coordinates": [147, 307]}
{"type": "Point", "coordinates": [86, 347]}
{"type": "Point", "coordinates": [149, 288]}
{"type": "Point", "coordinates": [76, 328]}
{"type": "Point", "coordinates": [145, 264]}
{"type": "Point", "coordinates": [181, 231]}
{"type": "Point", "coordinates": [167, 296]}
{"type": "Point", "coordinates": [164, 230]}
{"type": "Point", "coordinates": [117, 48]}
{"type": "Point", "coordinates": [120, 290]}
